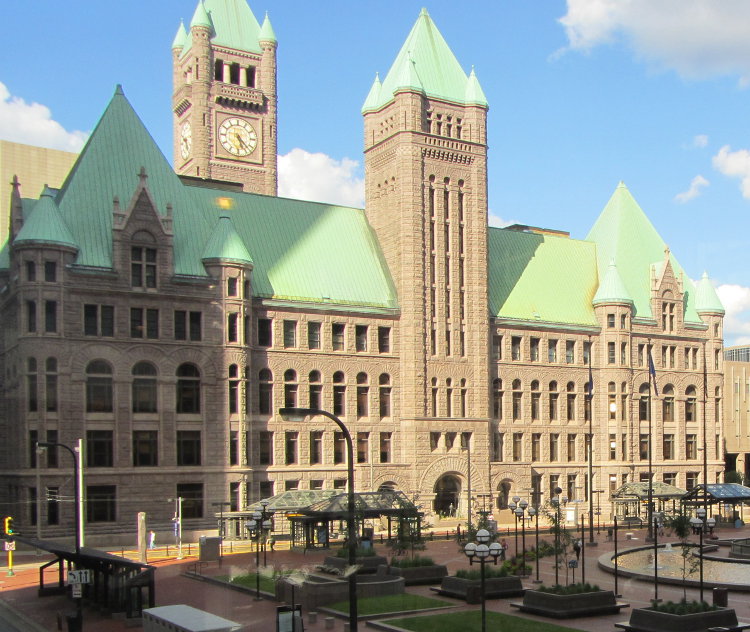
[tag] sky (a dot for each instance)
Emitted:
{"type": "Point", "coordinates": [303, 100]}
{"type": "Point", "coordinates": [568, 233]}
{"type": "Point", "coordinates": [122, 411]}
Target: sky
{"type": "Point", "coordinates": [583, 94]}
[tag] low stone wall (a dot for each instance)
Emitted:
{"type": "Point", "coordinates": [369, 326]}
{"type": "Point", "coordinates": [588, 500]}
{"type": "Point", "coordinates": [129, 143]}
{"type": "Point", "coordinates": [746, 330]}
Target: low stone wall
{"type": "Point", "coordinates": [565, 606]}
{"type": "Point", "coordinates": [649, 620]}
{"type": "Point", "coordinates": [418, 575]}
{"type": "Point", "coordinates": [367, 564]}
{"type": "Point", "coordinates": [471, 590]}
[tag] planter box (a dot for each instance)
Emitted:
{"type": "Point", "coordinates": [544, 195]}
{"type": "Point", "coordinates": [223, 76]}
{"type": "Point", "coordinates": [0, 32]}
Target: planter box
{"type": "Point", "coordinates": [649, 620]}
{"type": "Point", "coordinates": [316, 591]}
{"type": "Point", "coordinates": [367, 564]}
{"type": "Point", "coordinates": [565, 606]}
{"type": "Point", "coordinates": [471, 591]}
{"type": "Point", "coordinates": [420, 575]}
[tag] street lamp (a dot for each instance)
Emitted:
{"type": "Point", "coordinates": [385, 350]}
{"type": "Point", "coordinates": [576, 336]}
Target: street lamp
{"type": "Point", "coordinates": [521, 515]}
{"type": "Point", "coordinates": [299, 414]}
{"type": "Point", "coordinates": [534, 513]}
{"type": "Point", "coordinates": [656, 518]}
{"type": "Point", "coordinates": [699, 523]}
{"type": "Point", "coordinates": [221, 504]}
{"type": "Point", "coordinates": [483, 554]}
{"type": "Point", "coordinates": [77, 500]}
{"type": "Point", "coordinates": [258, 526]}
{"type": "Point", "coordinates": [556, 504]}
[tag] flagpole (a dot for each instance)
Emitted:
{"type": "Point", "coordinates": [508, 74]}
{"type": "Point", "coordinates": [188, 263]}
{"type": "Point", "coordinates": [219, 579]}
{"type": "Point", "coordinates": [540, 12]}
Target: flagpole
{"type": "Point", "coordinates": [591, 449]}
{"type": "Point", "coordinates": [651, 371]}
{"type": "Point", "coordinates": [705, 444]}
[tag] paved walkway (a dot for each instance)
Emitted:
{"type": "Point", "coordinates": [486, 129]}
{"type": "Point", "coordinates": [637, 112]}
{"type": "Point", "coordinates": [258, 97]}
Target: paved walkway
{"type": "Point", "coordinates": [41, 613]}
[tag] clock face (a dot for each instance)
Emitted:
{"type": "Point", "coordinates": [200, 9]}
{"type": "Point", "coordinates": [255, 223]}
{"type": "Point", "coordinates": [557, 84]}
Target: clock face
{"type": "Point", "coordinates": [238, 137]}
{"type": "Point", "coordinates": [186, 140]}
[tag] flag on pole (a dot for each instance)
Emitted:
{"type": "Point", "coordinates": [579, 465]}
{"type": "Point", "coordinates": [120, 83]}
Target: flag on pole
{"type": "Point", "coordinates": [590, 382]}
{"type": "Point", "coordinates": [652, 372]}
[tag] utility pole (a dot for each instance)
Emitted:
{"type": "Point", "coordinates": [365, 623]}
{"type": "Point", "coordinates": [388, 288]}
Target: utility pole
{"type": "Point", "coordinates": [79, 482]}
{"type": "Point", "coordinates": [178, 524]}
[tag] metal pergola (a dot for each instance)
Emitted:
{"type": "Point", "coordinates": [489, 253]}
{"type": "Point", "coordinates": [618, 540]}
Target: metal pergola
{"type": "Point", "coordinates": [631, 500]}
{"type": "Point", "coordinates": [721, 494]}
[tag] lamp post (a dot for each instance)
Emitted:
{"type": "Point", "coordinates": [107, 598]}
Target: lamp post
{"type": "Point", "coordinates": [77, 499]}
{"type": "Point", "coordinates": [654, 526]}
{"type": "Point", "coordinates": [534, 513]}
{"type": "Point", "coordinates": [483, 554]}
{"type": "Point", "coordinates": [513, 505]}
{"type": "Point", "coordinates": [617, 592]}
{"type": "Point", "coordinates": [265, 517]}
{"type": "Point", "coordinates": [221, 504]}
{"type": "Point", "coordinates": [699, 524]}
{"type": "Point", "coordinates": [299, 414]}
{"type": "Point", "coordinates": [255, 527]}
{"type": "Point", "coordinates": [521, 515]}
{"type": "Point", "coordinates": [556, 504]}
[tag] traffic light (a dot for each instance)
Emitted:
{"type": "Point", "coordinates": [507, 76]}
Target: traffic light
{"type": "Point", "coordinates": [8, 526]}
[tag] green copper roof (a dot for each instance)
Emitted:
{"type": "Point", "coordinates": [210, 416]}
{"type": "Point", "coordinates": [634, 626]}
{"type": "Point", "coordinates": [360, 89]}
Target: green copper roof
{"type": "Point", "coordinates": [427, 64]}
{"type": "Point", "coordinates": [180, 36]}
{"type": "Point", "coordinates": [625, 235]}
{"type": "Point", "coordinates": [45, 225]}
{"type": "Point", "coordinates": [541, 278]}
{"type": "Point", "coordinates": [233, 23]}
{"type": "Point", "coordinates": [301, 251]}
{"type": "Point", "coordinates": [612, 289]}
{"type": "Point", "coordinates": [373, 96]}
{"type": "Point", "coordinates": [266, 31]}
{"type": "Point", "coordinates": [706, 298]}
{"type": "Point", "coordinates": [225, 244]}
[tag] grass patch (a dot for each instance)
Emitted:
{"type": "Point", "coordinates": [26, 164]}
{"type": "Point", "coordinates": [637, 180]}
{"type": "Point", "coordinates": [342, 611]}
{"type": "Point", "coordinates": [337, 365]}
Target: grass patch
{"type": "Point", "coordinates": [471, 621]}
{"type": "Point", "coordinates": [391, 603]}
{"type": "Point", "coordinates": [267, 584]}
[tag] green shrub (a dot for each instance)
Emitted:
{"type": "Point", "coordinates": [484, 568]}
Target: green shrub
{"type": "Point", "coordinates": [474, 574]}
{"type": "Point", "coordinates": [682, 607]}
{"type": "Point", "coordinates": [570, 589]}
{"type": "Point", "coordinates": [412, 562]}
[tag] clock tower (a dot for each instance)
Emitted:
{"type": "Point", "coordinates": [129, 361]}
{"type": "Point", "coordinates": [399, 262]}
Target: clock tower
{"type": "Point", "coordinates": [224, 98]}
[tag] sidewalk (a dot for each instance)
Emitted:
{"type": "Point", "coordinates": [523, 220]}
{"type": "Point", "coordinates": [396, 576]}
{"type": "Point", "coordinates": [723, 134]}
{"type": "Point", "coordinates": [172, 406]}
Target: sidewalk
{"type": "Point", "coordinates": [20, 592]}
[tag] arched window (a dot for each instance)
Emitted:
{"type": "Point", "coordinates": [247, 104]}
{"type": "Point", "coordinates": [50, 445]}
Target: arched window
{"type": "Point", "coordinates": [644, 402]}
{"type": "Point", "coordinates": [667, 403]}
{"type": "Point", "coordinates": [233, 390]}
{"type": "Point", "coordinates": [363, 395]}
{"type": "Point", "coordinates": [265, 392]}
{"type": "Point", "coordinates": [497, 398]}
{"type": "Point", "coordinates": [188, 389]}
{"type": "Point", "coordinates": [384, 384]}
{"type": "Point", "coordinates": [535, 400]}
{"type": "Point", "coordinates": [98, 387]}
{"type": "Point", "coordinates": [339, 393]}
{"type": "Point", "coordinates": [51, 385]}
{"type": "Point", "coordinates": [553, 401]}
{"type": "Point", "coordinates": [32, 385]}
{"type": "Point", "coordinates": [571, 401]}
{"type": "Point", "coordinates": [517, 400]}
{"type": "Point", "coordinates": [316, 390]}
{"type": "Point", "coordinates": [143, 388]}
{"type": "Point", "coordinates": [290, 388]}
{"type": "Point", "coordinates": [690, 409]}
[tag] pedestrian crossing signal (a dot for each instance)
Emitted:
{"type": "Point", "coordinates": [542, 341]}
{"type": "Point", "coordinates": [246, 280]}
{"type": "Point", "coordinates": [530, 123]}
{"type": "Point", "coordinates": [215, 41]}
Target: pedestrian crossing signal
{"type": "Point", "coordinates": [8, 526]}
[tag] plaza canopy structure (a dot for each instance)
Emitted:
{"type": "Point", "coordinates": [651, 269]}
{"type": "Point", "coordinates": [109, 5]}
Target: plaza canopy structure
{"type": "Point", "coordinates": [315, 526]}
{"type": "Point", "coordinates": [631, 500]}
{"type": "Point", "coordinates": [232, 523]}
{"type": "Point", "coordinates": [726, 495]}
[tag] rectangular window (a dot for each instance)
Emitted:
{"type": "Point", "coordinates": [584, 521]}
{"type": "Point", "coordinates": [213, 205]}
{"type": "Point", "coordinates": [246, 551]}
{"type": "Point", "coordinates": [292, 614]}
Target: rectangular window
{"type": "Point", "coordinates": [52, 450]}
{"type": "Point", "coordinates": [535, 402]}
{"type": "Point", "coordinates": [337, 336]}
{"type": "Point", "coordinates": [53, 510]}
{"type": "Point", "coordinates": [670, 478]}
{"type": "Point", "coordinates": [339, 448]}
{"type": "Point", "coordinates": [339, 399]}
{"type": "Point", "coordinates": [290, 334]}
{"type": "Point", "coordinates": [313, 335]}
{"type": "Point", "coordinates": [552, 351]}
{"type": "Point", "coordinates": [643, 446]}
{"type": "Point", "coordinates": [265, 332]}
{"type": "Point", "coordinates": [316, 447]}
{"type": "Point", "coordinates": [50, 317]}
{"type": "Point", "coordinates": [517, 405]}
{"type": "Point", "coordinates": [497, 347]}
{"type": "Point", "coordinates": [316, 483]}
{"type": "Point", "coordinates": [611, 359]}
{"type": "Point", "coordinates": [192, 499]}
{"type": "Point", "coordinates": [187, 325]}
{"type": "Point", "coordinates": [691, 480]}
{"type": "Point", "coordinates": [384, 339]}
{"type": "Point", "coordinates": [536, 442]}
{"type": "Point", "coordinates": [144, 323]}
{"type": "Point", "coordinates": [145, 448]}
{"type": "Point", "coordinates": [316, 391]}
{"type": "Point", "coordinates": [99, 448]}
{"type": "Point", "coordinates": [586, 352]}
{"type": "Point", "coordinates": [668, 443]}
{"type": "Point", "coordinates": [610, 321]}
{"type": "Point", "coordinates": [515, 348]}
{"type": "Point", "coordinates": [434, 441]}
{"type": "Point", "coordinates": [363, 396]}
{"type": "Point", "coordinates": [570, 351]}
{"type": "Point", "coordinates": [499, 446]}
{"type": "Point", "coordinates": [233, 327]}
{"type": "Point", "coordinates": [360, 337]}
{"type": "Point", "coordinates": [612, 447]}
{"type": "Point", "coordinates": [290, 447]}
{"type": "Point", "coordinates": [143, 267]}
{"type": "Point", "coordinates": [571, 447]}
{"type": "Point", "coordinates": [50, 271]}
{"type": "Point", "coordinates": [623, 321]}
{"type": "Point", "coordinates": [31, 317]}
{"type": "Point", "coordinates": [234, 447]}
{"type": "Point", "coordinates": [101, 503]}
{"type": "Point", "coordinates": [641, 355]}
{"type": "Point", "coordinates": [535, 349]}
{"type": "Point", "coordinates": [265, 447]}
{"type": "Point", "coordinates": [33, 438]}
{"type": "Point", "coordinates": [385, 447]}
{"type": "Point", "coordinates": [517, 446]}
{"type": "Point", "coordinates": [554, 447]}
{"type": "Point", "coordinates": [691, 446]}
{"type": "Point", "coordinates": [291, 485]}
{"type": "Point", "coordinates": [30, 271]}
{"type": "Point", "coordinates": [188, 447]}
{"type": "Point", "coordinates": [363, 447]}
{"type": "Point", "coordinates": [90, 320]}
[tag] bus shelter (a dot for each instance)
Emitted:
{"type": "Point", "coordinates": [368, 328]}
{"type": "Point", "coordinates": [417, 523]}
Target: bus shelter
{"type": "Point", "coordinates": [725, 496]}
{"type": "Point", "coordinates": [315, 526]}
{"type": "Point", "coordinates": [630, 501]}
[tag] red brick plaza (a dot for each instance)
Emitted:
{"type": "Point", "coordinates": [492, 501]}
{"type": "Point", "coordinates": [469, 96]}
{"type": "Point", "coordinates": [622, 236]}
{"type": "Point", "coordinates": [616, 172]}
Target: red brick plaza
{"type": "Point", "coordinates": [19, 593]}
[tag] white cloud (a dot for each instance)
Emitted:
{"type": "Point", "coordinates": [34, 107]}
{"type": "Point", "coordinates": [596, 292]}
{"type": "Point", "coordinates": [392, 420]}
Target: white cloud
{"type": "Point", "coordinates": [32, 124]}
{"type": "Point", "coordinates": [735, 164]}
{"type": "Point", "coordinates": [736, 300]}
{"type": "Point", "coordinates": [696, 184]}
{"type": "Point", "coordinates": [499, 222]}
{"type": "Point", "coordinates": [695, 38]}
{"type": "Point", "coordinates": [701, 140]}
{"type": "Point", "coordinates": [320, 178]}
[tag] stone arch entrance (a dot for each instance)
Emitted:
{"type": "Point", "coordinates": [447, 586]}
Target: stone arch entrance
{"type": "Point", "coordinates": [447, 495]}
{"type": "Point", "coordinates": [504, 493]}
{"type": "Point", "coordinates": [388, 486]}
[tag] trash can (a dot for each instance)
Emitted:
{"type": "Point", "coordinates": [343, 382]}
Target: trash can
{"type": "Point", "coordinates": [208, 549]}
{"type": "Point", "coordinates": [74, 623]}
{"type": "Point", "coordinates": [721, 597]}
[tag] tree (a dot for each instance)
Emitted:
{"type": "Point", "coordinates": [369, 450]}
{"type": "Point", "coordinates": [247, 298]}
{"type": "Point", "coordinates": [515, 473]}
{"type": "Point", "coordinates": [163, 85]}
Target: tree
{"type": "Point", "coordinates": [681, 527]}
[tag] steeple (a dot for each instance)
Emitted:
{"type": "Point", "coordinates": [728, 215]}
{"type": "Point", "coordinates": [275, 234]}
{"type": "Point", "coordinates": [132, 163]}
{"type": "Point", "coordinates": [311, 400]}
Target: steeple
{"type": "Point", "coordinates": [611, 288]}
{"type": "Point", "coordinates": [373, 96]}
{"type": "Point", "coordinates": [266, 31]}
{"type": "Point", "coordinates": [200, 17]}
{"type": "Point", "coordinates": [225, 245]}
{"type": "Point", "coordinates": [45, 225]}
{"type": "Point", "coordinates": [706, 298]}
{"type": "Point", "coordinates": [180, 37]}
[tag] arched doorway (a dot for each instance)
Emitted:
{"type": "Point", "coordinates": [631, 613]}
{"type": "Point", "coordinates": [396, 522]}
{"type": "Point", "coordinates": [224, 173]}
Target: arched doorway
{"type": "Point", "coordinates": [447, 495]}
{"type": "Point", "coordinates": [503, 493]}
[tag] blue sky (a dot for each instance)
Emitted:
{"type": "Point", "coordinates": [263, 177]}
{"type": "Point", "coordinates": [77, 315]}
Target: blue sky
{"type": "Point", "coordinates": [582, 93]}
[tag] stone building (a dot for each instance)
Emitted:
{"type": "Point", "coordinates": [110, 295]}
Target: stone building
{"type": "Point", "coordinates": [164, 318]}
{"type": "Point", "coordinates": [737, 409]}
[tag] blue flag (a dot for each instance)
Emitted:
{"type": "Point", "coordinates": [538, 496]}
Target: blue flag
{"type": "Point", "coordinates": [652, 372]}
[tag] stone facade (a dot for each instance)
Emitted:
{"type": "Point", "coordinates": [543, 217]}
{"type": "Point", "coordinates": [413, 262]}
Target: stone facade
{"type": "Point", "coordinates": [174, 381]}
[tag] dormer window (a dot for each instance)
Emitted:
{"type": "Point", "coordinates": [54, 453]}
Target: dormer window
{"type": "Point", "coordinates": [143, 262]}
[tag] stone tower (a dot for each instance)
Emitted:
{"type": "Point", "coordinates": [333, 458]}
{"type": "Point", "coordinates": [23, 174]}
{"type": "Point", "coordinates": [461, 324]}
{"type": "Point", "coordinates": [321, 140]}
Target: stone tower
{"type": "Point", "coordinates": [426, 197]}
{"type": "Point", "coordinates": [224, 98]}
